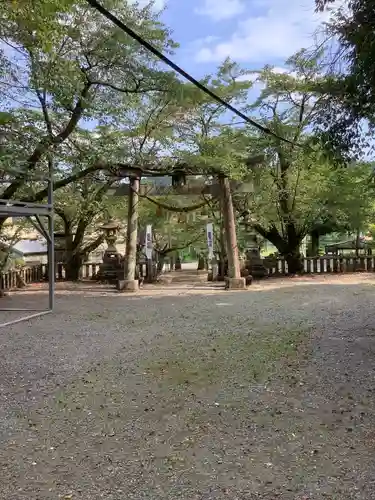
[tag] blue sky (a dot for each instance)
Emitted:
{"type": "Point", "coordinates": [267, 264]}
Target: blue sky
{"type": "Point", "coordinates": [251, 32]}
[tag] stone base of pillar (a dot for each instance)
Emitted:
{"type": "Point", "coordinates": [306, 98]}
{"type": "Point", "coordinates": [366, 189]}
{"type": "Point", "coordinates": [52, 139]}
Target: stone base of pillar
{"type": "Point", "coordinates": [128, 285]}
{"type": "Point", "coordinates": [235, 284]}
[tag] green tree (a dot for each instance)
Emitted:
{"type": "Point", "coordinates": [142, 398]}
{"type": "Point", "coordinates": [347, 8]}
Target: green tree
{"type": "Point", "coordinates": [87, 72]}
{"type": "Point", "coordinates": [352, 200]}
{"type": "Point", "coordinates": [82, 208]}
{"type": "Point", "coordinates": [134, 137]}
{"type": "Point", "coordinates": [208, 138]}
{"type": "Point", "coordinates": [205, 119]}
{"type": "Point", "coordinates": [292, 186]}
{"type": "Point", "coordinates": [349, 86]}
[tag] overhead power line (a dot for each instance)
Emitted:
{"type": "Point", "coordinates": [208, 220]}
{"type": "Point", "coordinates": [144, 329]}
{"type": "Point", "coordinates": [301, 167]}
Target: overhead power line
{"type": "Point", "coordinates": [96, 5]}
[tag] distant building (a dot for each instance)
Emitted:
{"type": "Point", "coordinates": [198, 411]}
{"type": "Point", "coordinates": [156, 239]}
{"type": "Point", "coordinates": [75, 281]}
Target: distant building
{"type": "Point", "coordinates": [32, 251]}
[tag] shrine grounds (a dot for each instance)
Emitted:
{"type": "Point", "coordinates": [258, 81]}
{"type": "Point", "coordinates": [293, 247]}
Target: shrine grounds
{"type": "Point", "coordinates": [192, 392]}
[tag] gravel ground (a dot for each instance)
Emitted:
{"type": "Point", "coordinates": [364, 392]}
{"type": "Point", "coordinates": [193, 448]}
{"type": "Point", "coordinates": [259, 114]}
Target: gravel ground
{"type": "Point", "coordinates": [192, 393]}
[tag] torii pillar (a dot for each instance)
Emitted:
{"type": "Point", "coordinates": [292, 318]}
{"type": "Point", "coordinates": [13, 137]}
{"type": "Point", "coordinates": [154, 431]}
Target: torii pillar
{"type": "Point", "coordinates": [234, 280]}
{"type": "Point", "coordinates": [130, 283]}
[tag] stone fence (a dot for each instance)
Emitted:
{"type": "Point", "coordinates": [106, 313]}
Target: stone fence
{"type": "Point", "coordinates": [322, 265]}
{"type": "Point", "coordinates": [276, 267]}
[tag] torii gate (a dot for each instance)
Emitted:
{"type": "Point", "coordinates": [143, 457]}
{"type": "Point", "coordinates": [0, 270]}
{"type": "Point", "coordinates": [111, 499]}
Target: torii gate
{"type": "Point", "coordinates": [221, 188]}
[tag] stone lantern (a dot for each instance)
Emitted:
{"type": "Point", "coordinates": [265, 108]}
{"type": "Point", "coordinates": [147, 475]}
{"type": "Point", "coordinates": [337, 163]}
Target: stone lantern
{"type": "Point", "coordinates": [111, 229]}
{"type": "Point", "coordinates": [112, 266]}
{"type": "Point", "coordinates": [254, 264]}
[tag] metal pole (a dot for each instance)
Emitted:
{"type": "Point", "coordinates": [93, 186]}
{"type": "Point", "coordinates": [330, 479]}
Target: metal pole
{"type": "Point", "coordinates": [17, 309]}
{"type": "Point", "coordinates": [51, 241]}
{"type": "Point", "coordinates": [30, 209]}
{"type": "Point", "coordinates": [25, 318]}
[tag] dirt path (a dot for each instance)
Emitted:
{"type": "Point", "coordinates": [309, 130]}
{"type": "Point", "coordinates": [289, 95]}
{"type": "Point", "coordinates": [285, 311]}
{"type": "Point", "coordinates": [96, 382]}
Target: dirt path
{"type": "Point", "coordinates": [201, 395]}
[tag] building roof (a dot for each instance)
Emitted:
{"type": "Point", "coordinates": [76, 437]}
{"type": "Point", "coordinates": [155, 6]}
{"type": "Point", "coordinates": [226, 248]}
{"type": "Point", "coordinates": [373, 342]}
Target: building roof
{"type": "Point", "coordinates": [4, 247]}
{"type": "Point", "coordinates": [31, 247]}
{"type": "Point", "coordinates": [347, 245]}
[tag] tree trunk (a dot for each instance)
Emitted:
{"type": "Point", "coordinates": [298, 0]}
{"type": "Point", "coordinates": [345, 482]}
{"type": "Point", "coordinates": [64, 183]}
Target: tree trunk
{"type": "Point", "coordinates": [357, 242]}
{"type": "Point", "coordinates": [73, 266]}
{"type": "Point", "coordinates": [178, 264]}
{"type": "Point", "coordinates": [201, 263]}
{"type": "Point", "coordinates": [161, 262]}
{"type": "Point", "coordinates": [222, 266]}
{"type": "Point", "coordinates": [288, 247]}
{"type": "Point", "coordinates": [314, 244]}
{"type": "Point", "coordinates": [171, 262]}
{"type": "Point", "coordinates": [222, 254]}
{"type": "Point", "coordinates": [294, 261]}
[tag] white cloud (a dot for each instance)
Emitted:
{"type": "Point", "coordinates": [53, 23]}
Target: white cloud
{"type": "Point", "coordinates": [158, 5]}
{"type": "Point", "coordinates": [201, 42]}
{"type": "Point", "coordinates": [247, 78]}
{"type": "Point", "coordinates": [274, 29]}
{"type": "Point", "coordinates": [279, 69]}
{"type": "Point", "coordinates": [252, 77]}
{"type": "Point", "coordinates": [219, 10]}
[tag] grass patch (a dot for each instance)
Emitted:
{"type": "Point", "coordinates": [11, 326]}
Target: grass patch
{"type": "Point", "coordinates": [241, 356]}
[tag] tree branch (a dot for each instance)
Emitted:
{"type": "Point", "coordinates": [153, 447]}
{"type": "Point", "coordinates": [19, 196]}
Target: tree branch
{"type": "Point", "coordinates": [136, 90]}
{"type": "Point", "coordinates": [42, 100]}
{"type": "Point", "coordinates": [40, 195]}
{"type": "Point", "coordinates": [60, 212]}
{"type": "Point", "coordinates": [166, 251]}
{"type": "Point", "coordinates": [86, 219]}
{"type": "Point", "coordinates": [49, 141]}
{"type": "Point", "coordinates": [81, 227]}
{"type": "Point", "coordinates": [271, 234]}
{"type": "Point", "coordinates": [93, 245]}
{"type": "Point", "coordinates": [170, 208]}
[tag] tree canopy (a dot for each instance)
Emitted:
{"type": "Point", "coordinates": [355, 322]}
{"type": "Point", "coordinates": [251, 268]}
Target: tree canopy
{"type": "Point", "coordinates": [347, 118]}
{"type": "Point", "coordinates": [55, 86]}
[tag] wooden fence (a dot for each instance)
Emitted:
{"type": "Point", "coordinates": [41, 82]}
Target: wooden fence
{"type": "Point", "coordinates": [279, 267]}
{"type": "Point", "coordinates": [13, 278]}
{"type": "Point", "coordinates": [38, 273]}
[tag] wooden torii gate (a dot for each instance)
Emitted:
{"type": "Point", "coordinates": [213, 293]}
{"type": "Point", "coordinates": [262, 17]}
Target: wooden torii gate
{"type": "Point", "coordinates": [221, 187]}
